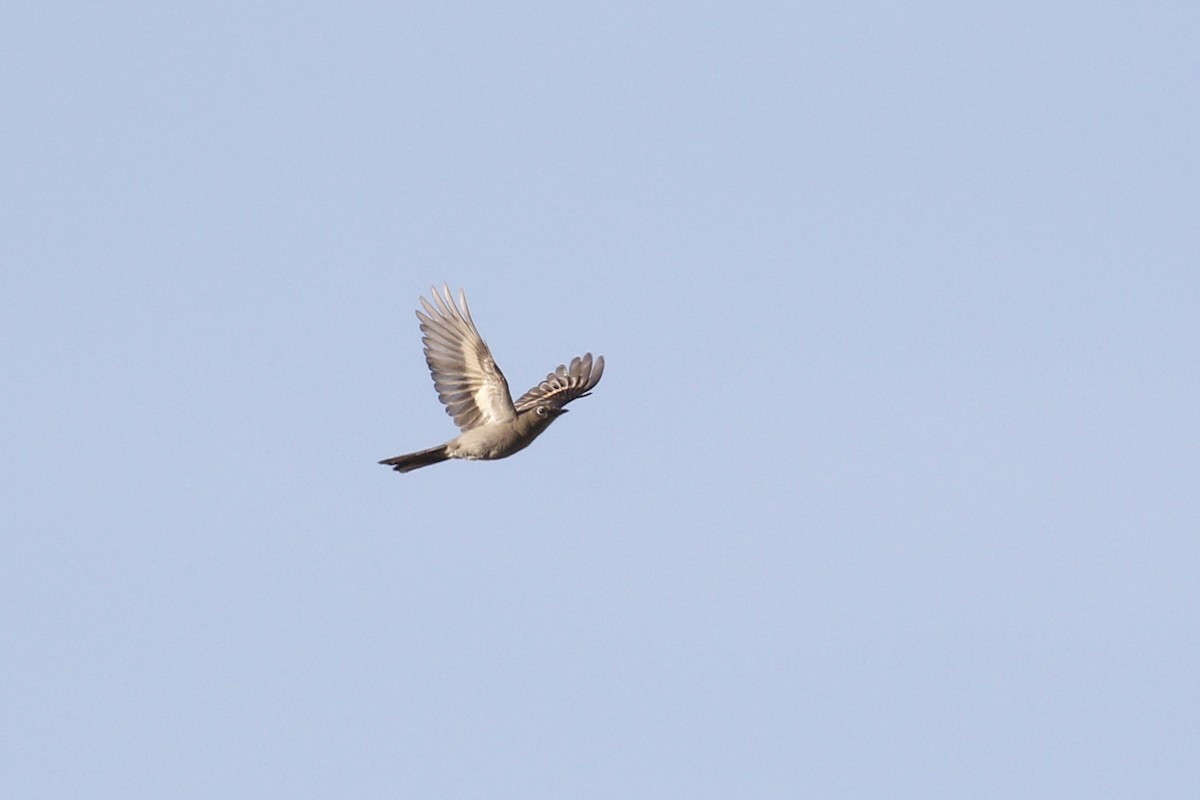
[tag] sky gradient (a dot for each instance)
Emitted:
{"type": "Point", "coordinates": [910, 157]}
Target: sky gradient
{"type": "Point", "coordinates": [890, 488]}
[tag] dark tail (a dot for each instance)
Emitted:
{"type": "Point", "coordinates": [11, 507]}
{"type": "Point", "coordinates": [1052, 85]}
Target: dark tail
{"type": "Point", "coordinates": [422, 458]}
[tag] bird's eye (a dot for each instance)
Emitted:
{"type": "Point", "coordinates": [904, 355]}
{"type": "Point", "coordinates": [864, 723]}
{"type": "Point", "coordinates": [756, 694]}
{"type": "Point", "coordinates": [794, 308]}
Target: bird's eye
{"type": "Point", "coordinates": [541, 411]}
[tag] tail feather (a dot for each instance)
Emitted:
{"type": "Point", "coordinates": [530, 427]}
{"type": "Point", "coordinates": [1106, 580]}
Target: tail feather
{"type": "Point", "coordinates": [422, 458]}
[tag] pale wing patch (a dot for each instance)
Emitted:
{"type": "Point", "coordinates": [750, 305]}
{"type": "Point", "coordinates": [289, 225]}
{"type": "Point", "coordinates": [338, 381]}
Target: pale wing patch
{"type": "Point", "coordinates": [465, 375]}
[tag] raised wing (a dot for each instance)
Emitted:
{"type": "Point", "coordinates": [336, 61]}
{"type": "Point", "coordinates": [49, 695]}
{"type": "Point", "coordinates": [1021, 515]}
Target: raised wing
{"type": "Point", "coordinates": [467, 380]}
{"type": "Point", "coordinates": [565, 384]}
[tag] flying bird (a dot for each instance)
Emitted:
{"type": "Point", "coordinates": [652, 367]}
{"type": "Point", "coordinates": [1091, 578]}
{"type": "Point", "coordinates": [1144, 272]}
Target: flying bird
{"type": "Point", "coordinates": [475, 393]}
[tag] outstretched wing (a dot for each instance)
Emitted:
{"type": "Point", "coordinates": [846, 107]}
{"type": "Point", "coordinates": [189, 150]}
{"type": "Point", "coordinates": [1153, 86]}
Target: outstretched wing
{"type": "Point", "coordinates": [467, 380]}
{"type": "Point", "coordinates": [565, 384]}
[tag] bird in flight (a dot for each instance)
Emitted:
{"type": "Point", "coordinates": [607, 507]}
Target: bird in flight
{"type": "Point", "coordinates": [475, 393]}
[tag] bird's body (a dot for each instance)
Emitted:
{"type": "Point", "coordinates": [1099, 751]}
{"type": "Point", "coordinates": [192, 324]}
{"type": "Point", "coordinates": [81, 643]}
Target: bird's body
{"type": "Point", "coordinates": [476, 394]}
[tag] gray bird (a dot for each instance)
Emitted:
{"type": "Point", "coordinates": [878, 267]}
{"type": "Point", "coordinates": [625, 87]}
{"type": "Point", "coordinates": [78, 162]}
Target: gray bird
{"type": "Point", "coordinates": [475, 394]}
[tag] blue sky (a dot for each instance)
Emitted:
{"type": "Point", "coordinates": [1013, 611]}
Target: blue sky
{"type": "Point", "coordinates": [889, 489]}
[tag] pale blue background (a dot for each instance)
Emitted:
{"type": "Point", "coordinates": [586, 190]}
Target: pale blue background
{"type": "Point", "coordinates": [890, 489]}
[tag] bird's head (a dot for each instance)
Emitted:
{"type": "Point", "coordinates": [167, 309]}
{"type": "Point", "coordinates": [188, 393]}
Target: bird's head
{"type": "Point", "coordinates": [538, 418]}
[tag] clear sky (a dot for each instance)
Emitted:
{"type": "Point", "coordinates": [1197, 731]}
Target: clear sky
{"type": "Point", "coordinates": [890, 488]}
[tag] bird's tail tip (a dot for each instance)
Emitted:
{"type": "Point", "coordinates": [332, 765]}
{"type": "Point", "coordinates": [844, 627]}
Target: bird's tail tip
{"type": "Point", "coordinates": [422, 458]}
